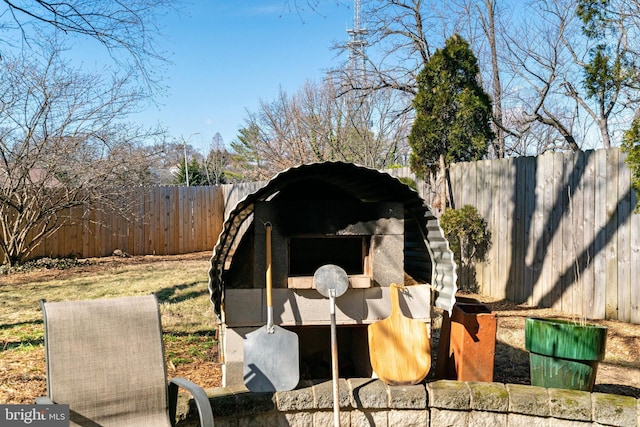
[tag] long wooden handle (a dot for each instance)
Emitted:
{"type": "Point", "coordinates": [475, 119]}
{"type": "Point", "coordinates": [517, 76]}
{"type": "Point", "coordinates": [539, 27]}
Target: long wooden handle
{"type": "Point", "coordinates": [270, 328]}
{"type": "Point", "coordinates": [395, 303]}
{"type": "Point", "coordinates": [268, 270]}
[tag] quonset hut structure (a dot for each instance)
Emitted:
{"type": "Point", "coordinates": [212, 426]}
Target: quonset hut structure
{"type": "Point", "coordinates": [371, 224]}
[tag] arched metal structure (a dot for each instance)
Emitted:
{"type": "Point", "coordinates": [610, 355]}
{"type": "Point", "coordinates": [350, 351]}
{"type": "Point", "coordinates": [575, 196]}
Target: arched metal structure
{"type": "Point", "coordinates": [427, 257]}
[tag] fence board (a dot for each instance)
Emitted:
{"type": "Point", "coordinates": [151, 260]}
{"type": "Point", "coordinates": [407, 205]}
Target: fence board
{"type": "Point", "coordinates": [528, 243]}
{"type": "Point", "coordinates": [600, 241]}
{"type": "Point", "coordinates": [556, 205]}
{"type": "Point", "coordinates": [548, 216]}
{"type": "Point", "coordinates": [587, 187]}
{"type": "Point", "coordinates": [491, 201]}
{"type": "Point", "coordinates": [457, 184]}
{"type": "Point", "coordinates": [568, 257]}
{"type": "Point", "coordinates": [515, 285]}
{"type": "Point", "coordinates": [634, 243]}
{"type": "Point", "coordinates": [484, 208]}
{"type": "Point", "coordinates": [611, 283]}
{"type": "Point", "coordinates": [576, 234]}
{"type": "Point", "coordinates": [623, 252]}
{"type": "Point", "coordinates": [141, 223]}
{"type": "Point", "coordinates": [505, 213]}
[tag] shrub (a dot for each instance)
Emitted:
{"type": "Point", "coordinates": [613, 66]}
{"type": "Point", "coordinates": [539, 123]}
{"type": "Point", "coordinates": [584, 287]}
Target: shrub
{"type": "Point", "coordinates": [467, 233]}
{"type": "Point", "coordinates": [469, 240]}
{"type": "Point", "coordinates": [631, 145]}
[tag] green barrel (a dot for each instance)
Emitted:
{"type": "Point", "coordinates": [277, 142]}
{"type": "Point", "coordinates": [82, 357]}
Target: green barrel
{"type": "Point", "coordinates": [564, 354]}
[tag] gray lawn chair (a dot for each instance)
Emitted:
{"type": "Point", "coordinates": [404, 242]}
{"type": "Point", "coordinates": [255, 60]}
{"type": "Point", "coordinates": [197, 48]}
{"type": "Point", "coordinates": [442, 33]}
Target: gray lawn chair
{"type": "Point", "coordinates": [105, 359]}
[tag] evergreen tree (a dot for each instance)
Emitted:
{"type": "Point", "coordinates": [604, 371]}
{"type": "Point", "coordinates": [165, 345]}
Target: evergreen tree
{"type": "Point", "coordinates": [453, 112]}
{"type": "Point", "coordinates": [197, 174]}
{"type": "Point", "coordinates": [247, 160]}
{"type": "Point", "coordinates": [610, 71]}
{"type": "Point", "coordinates": [631, 145]}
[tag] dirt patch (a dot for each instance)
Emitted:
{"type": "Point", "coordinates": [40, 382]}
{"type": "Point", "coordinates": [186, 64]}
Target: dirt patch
{"type": "Point", "coordinates": [618, 373]}
{"type": "Point", "coordinates": [22, 377]}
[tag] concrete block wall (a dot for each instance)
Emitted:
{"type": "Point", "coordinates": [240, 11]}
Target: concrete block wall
{"type": "Point", "coordinates": [245, 309]}
{"type": "Point", "coordinates": [370, 402]}
{"type": "Point", "coordinates": [382, 222]}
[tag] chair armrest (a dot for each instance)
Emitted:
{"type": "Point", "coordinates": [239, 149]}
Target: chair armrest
{"type": "Point", "coordinates": [199, 396]}
{"type": "Point", "coordinates": [44, 400]}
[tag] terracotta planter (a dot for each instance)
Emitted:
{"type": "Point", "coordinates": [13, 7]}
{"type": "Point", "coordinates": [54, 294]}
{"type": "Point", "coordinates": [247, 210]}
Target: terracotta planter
{"type": "Point", "coordinates": [564, 354]}
{"type": "Point", "coordinates": [467, 344]}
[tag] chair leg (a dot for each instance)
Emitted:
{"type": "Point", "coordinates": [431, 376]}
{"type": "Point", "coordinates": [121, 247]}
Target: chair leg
{"type": "Point", "coordinates": [199, 396]}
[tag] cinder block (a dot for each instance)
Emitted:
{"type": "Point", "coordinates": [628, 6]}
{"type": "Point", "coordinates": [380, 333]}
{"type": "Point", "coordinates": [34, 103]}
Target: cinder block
{"type": "Point", "coordinates": [245, 307]}
{"type": "Point", "coordinates": [234, 356]}
{"type": "Point", "coordinates": [298, 419]}
{"type": "Point", "coordinates": [369, 418]}
{"type": "Point", "coordinates": [408, 418]}
{"type": "Point", "coordinates": [300, 400]}
{"type": "Point", "coordinates": [442, 417]}
{"type": "Point", "coordinates": [486, 396]}
{"type": "Point", "coordinates": [527, 420]}
{"type": "Point", "coordinates": [368, 393]}
{"type": "Point", "coordinates": [528, 400]}
{"type": "Point", "coordinates": [487, 419]}
{"type": "Point", "coordinates": [570, 404]}
{"type": "Point", "coordinates": [448, 394]}
{"type": "Point", "coordinates": [408, 397]}
{"type": "Point", "coordinates": [388, 259]}
{"type": "Point", "coordinates": [415, 302]}
{"type": "Point", "coordinates": [613, 409]}
{"type": "Point", "coordinates": [325, 418]}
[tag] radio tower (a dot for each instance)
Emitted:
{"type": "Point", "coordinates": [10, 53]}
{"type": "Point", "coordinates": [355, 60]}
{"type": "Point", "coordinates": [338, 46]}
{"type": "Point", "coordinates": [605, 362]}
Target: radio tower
{"type": "Point", "coordinates": [357, 43]}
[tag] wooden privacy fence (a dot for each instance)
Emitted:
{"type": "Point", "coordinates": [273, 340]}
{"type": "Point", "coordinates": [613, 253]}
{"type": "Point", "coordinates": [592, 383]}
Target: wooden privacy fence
{"type": "Point", "coordinates": [563, 231]}
{"type": "Point", "coordinates": [159, 221]}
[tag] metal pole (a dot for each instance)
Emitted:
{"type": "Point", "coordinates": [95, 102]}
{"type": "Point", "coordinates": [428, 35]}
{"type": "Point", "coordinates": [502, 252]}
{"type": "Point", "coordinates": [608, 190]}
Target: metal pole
{"type": "Point", "coordinates": [332, 281]}
{"type": "Point", "coordinates": [334, 359]}
{"type": "Point", "coordinates": [186, 165]}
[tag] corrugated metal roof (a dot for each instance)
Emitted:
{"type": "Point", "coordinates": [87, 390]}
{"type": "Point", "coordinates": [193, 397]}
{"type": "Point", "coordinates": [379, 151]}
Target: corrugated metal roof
{"type": "Point", "coordinates": [427, 255]}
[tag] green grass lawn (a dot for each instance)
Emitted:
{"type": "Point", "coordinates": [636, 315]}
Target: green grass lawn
{"type": "Point", "coordinates": [180, 285]}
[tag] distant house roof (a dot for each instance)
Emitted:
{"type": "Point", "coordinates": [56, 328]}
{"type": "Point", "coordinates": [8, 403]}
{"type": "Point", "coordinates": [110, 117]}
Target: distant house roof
{"type": "Point", "coordinates": [37, 176]}
{"type": "Point", "coordinates": [427, 255]}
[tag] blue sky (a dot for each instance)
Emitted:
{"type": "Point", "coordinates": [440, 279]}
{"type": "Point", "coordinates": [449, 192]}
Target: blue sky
{"type": "Point", "coordinates": [229, 54]}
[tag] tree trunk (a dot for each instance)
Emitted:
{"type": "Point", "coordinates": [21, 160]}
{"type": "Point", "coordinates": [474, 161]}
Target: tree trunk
{"type": "Point", "coordinates": [603, 125]}
{"type": "Point", "coordinates": [443, 185]}
{"type": "Point", "coordinates": [499, 142]}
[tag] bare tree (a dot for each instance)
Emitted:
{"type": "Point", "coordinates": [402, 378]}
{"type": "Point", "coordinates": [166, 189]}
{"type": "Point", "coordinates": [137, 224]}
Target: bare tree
{"type": "Point", "coordinates": [537, 63]}
{"type": "Point", "coordinates": [488, 23]}
{"type": "Point", "coordinates": [316, 124]}
{"type": "Point", "coordinates": [127, 29]}
{"type": "Point", "coordinates": [401, 38]}
{"type": "Point", "coordinates": [609, 84]}
{"type": "Point", "coordinates": [62, 147]}
{"type": "Point", "coordinates": [217, 161]}
{"type": "Point", "coordinates": [564, 82]}
{"type": "Point", "coordinates": [399, 33]}
{"type": "Point", "coordinates": [533, 60]}
{"type": "Point", "coordinates": [554, 85]}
